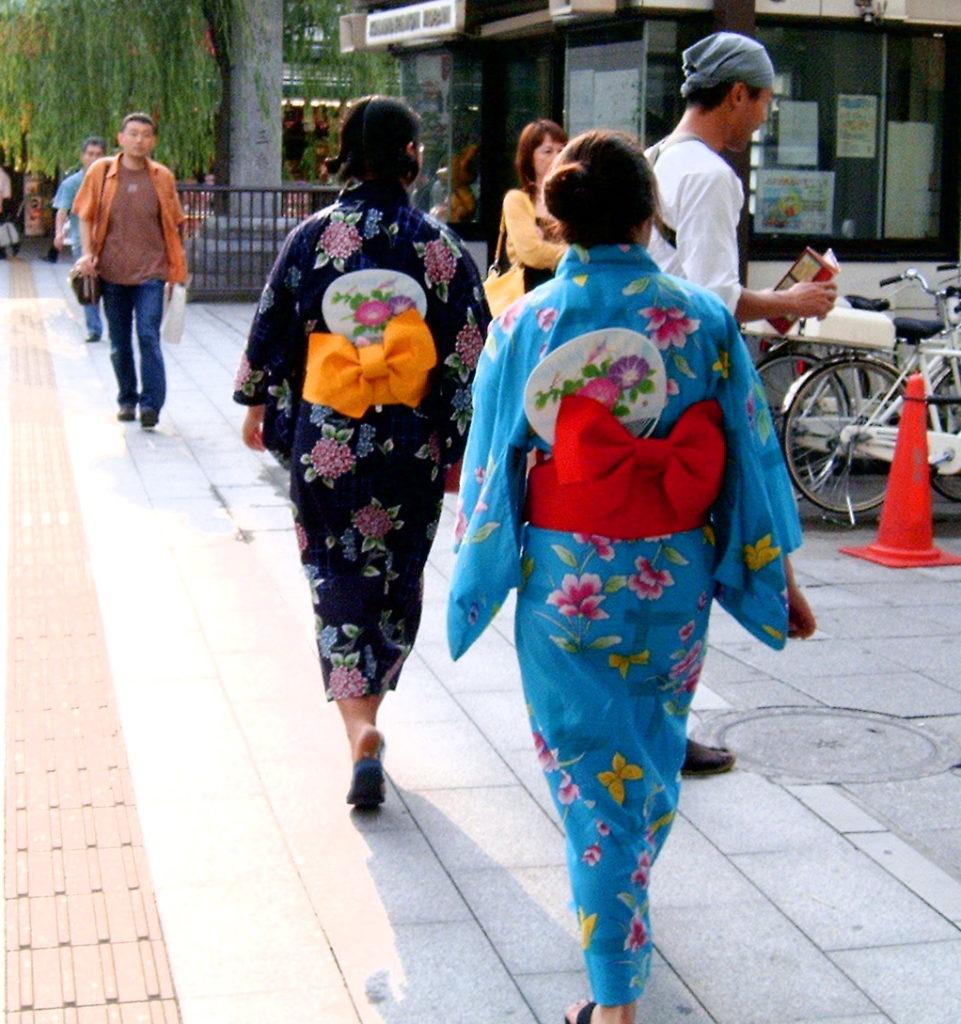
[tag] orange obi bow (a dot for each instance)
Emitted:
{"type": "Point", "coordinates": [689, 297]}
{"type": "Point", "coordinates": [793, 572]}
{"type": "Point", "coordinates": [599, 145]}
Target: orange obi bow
{"type": "Point", "coordinates": [605, 481]}
{"type": "Point", "coordinates": [351, 379]}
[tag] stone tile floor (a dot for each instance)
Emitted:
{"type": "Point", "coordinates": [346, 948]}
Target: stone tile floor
{"type": "Point", "coordinates": [175, 780]}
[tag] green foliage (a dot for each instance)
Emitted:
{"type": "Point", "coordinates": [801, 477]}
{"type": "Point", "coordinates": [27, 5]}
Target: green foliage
{"type": "Point", "coordinates": [318, 68]}
{"type": "Point", "coordinates": [72, 68]}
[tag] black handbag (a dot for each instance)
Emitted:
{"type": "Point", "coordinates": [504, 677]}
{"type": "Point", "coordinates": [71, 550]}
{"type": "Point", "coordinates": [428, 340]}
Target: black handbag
{"type": "Point", "coordinates": [86, 287]}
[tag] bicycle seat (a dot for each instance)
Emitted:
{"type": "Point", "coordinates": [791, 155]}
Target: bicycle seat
{"type": "Point", "coordinates": [912, 330]}
{"type": "Point", "coordinates": [871, 305]}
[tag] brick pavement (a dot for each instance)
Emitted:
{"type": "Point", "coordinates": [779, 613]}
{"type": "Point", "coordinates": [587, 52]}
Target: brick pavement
{"type": "Point", "coordinates": [83, 937]}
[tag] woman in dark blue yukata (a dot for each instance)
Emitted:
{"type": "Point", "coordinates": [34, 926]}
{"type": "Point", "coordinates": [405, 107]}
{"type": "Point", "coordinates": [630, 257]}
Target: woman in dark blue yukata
{"type": "Point", "coordinates": [357, 375]}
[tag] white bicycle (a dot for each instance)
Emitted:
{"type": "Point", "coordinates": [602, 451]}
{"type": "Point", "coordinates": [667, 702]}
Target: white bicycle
{"type": "Point", "coordinates": [841, 418]}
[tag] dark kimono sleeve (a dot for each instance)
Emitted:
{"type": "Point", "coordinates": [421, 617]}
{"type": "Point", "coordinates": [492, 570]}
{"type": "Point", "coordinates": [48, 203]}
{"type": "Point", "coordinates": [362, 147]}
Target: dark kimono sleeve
{"type": "Point", "coordinates": [271, 366]}
{"type": "Point", "coordinates": [459, 319]}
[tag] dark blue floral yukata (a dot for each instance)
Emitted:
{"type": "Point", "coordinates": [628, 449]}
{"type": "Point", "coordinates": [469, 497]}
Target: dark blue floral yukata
{"type": "Point", "coordinates": [367, 492]}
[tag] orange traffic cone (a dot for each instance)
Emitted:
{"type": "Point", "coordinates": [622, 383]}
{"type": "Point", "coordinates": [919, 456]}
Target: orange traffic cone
{"type": "Point", "coordinates": [905, 535]}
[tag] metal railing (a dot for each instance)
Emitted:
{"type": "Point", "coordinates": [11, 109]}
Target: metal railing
{"type": "Point", "coordinates": [232, 235]}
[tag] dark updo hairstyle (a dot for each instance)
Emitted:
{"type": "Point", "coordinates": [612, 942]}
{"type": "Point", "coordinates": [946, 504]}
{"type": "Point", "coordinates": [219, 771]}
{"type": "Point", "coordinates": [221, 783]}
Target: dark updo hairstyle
{"type": "Point", "coordinates": [531, 137]}
{"type": "Point", "coordinates": [374, 136]}
{"type": "Point", "coordinates": [601, 189]}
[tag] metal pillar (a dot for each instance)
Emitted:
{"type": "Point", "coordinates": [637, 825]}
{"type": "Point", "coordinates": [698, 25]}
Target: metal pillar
{"type": "Point", "coordinates": [739, 16]}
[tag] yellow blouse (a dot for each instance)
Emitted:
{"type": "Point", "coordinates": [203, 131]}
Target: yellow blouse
{"type": "Point", "coordinates": [525, 239]}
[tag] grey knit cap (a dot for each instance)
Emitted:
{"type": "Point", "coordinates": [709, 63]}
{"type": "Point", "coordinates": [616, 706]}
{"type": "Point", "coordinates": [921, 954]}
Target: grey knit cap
{"type": "Point", "coordinates": [726, 57]}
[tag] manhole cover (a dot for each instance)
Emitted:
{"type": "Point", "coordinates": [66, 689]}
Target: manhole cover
{"type": "Point", "coordinates": [827, 745]}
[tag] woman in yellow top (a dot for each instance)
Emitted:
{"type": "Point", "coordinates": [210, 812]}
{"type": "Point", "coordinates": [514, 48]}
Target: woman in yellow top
{"type": "Point", "coordinates": [532, 236]}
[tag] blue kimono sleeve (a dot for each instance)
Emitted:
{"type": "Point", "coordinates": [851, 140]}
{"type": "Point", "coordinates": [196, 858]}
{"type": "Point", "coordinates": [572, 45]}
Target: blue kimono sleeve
{"type": "Point", "coordinates": [487, 534]}
{"type": "Point", "coordinates": [755, 519]}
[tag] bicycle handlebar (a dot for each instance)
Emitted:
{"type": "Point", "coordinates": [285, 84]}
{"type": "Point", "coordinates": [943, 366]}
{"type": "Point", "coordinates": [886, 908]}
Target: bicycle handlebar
{"type": "Point", "coordinates": [948, 266]}
{"type": "Point", "coordinates": [890, 280]}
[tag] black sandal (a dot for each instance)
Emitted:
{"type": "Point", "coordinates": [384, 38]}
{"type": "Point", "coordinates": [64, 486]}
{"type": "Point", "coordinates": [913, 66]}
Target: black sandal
{"type": "Point", "coordinates": [583, 1014]}
{"type": "Point", "coordinates": [368, 789]}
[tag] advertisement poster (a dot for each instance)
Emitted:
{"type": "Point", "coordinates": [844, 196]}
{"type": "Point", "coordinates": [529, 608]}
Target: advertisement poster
{"type": "Point", "coordinates": [797, 139]}
{"type": "Point", "coordinates": [857, 126]}
{"type": "Point", "coordinates": [795, 202]}
{"type": "Point", "coordinates": [617, 99]}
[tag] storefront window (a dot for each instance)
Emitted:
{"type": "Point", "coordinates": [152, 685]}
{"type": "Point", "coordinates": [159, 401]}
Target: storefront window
{"type": "Point", "coordinates": [852, 148]}
{"type": "Point", "coordinates": [628, 84]}
{"type": "Point", "coordinates": [445, 90]}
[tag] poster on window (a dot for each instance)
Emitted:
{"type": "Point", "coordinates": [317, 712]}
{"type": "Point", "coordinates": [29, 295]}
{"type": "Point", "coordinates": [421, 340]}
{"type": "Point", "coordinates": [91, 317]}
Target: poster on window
{"type": "Point", "coordinates": [795, 202]}
{"type": "Point", "coordinates": [857, 126]}
{"type": "Point", "coordinates": [797, 140]}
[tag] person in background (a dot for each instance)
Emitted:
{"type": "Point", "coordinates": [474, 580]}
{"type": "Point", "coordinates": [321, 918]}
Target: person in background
{"type": "Point", "coordinates": [728, 80]}
{"type": "Point", "coordinates": [618, 543]}
{"type": "Point", "coordinates": [130, 232]}
{"type": "Point", "coordinates": [531, 234]}
{"type": "Point", "coordinates": [357, 374]}
{"type": "Point", "coordinates": [67, 224]}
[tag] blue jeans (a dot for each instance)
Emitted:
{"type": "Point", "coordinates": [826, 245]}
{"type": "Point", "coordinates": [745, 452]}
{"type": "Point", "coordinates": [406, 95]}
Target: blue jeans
{"type": "Point", "coordinates": [120, 303]}
{"type": "Point", "coordinates": [91, 314]}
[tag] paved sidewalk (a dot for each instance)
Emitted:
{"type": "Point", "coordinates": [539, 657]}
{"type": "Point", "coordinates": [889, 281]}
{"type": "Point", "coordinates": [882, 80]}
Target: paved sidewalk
{"type": "Point", "coordinates": [820, 882]}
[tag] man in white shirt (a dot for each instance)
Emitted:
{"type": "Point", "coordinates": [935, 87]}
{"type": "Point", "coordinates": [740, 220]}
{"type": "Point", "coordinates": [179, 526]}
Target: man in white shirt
{"type": "Point", "coordinates": [728, 80]}
{"type": "Point", "coordinates": [727, 88]}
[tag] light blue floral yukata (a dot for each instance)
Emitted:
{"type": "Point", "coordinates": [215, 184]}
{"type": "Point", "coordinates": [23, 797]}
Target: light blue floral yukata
{"type": "Point", "coordinates": [612, 633]}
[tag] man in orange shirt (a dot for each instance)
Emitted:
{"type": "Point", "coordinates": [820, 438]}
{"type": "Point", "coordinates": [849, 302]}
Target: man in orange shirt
{"type": "Point", "coordinates": [130, 220]}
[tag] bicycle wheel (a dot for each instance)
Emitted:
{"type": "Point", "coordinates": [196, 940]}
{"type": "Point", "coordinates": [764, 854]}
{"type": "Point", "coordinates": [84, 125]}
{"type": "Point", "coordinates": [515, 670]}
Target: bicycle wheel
{"type": "Point", "coordinates": [778, 371]}
{"type": "Point", "coordinates": [948, 383]}
{"type": "Point", "coordinates": [833, 460]}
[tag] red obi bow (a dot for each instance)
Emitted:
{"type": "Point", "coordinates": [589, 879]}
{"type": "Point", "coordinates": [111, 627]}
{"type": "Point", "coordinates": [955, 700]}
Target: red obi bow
{"type": "Point", "coordinates": [605, 481]}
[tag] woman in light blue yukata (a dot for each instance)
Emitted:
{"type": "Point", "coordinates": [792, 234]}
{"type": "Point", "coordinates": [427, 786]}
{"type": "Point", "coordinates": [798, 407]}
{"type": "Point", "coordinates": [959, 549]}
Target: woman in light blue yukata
{"type": "Point", "coordinates": [622, 472]}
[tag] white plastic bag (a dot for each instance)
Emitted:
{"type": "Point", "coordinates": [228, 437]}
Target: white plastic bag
{"type": "Point", "coordinates": [9, 236]}
{"type": "Point", "coordinates": [175, 309]}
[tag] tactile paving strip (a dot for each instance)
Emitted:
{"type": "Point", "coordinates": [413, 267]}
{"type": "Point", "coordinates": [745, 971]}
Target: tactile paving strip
{"type": "Point", "coordinates": [83, 938]}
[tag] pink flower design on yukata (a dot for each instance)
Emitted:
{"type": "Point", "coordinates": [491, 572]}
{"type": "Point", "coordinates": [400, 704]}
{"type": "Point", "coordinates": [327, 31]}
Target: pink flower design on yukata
{"type": "Point", "coordinates": [702, 601]}
{"type": "Point", "coordinates": [649, 583]}
{"type": "Point", "coordinates": [346, 682]}
{"type": "Point", "coordinates": [579, 596]}
{"type": "Point", "coordinates": [546, 758]}
{"type": "Point", "coordinates": [480, 474]}
{"type": "Point", "coordinates": [686, 631]}
{"type": "Point", "coordinates": [603, 390]}
{"type": "Point", "coordinates": [629, 371]}
{"type": "Point", "coordinates": [591, 855]}
{"type": "Point", "coordinates": [546, 318]}
{"type": "Point", "coordinates": [439, 261]}
{"type": "Point", "coordinates": [460, 522]}
{"type": "Point", "coordinates": [688, 661]}
{"type": "Point", "coordinates": [331, 459]}
{"type": "Point", "coordinates": [339, 240]}
{"type": "Point", "coordinates": [669, 326]}
{"type": "Point", "coordinates": [510, 314]}
{"type": "Point", "coordinates": [373, 521]}
{"type": "Point", "coordinates": [372, 313]}
{"type": "Point", "coordinates": [603, 828]}
{"type": "Point", "coordinates": [602, 545]}
{"type": "Point", "coordinates": [301, 535]}
{"type": "Point", "coordinates": [636, 935]}
{"type": "Point", "coordinates": [642, 873]}
{"type": "Point", "coordinates": [469, 345]}
{"type": "Point", "coordinates": [568, 791]}
{"type": "Point", "coordinates": [673, 388]}
{"type": "Point", "coordinates": [688, 669]}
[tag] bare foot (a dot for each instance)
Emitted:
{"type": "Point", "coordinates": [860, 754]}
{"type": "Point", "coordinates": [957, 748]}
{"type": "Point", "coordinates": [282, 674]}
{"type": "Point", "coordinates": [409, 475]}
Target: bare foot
{"type": "Point", "coordinates": [573, 1011]}
{"type": "Point", "coordinates": [369, 743]}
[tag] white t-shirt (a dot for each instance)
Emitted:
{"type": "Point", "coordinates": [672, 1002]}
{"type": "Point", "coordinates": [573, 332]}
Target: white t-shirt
{"type": "Point", "coordinates": [701, 199]}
